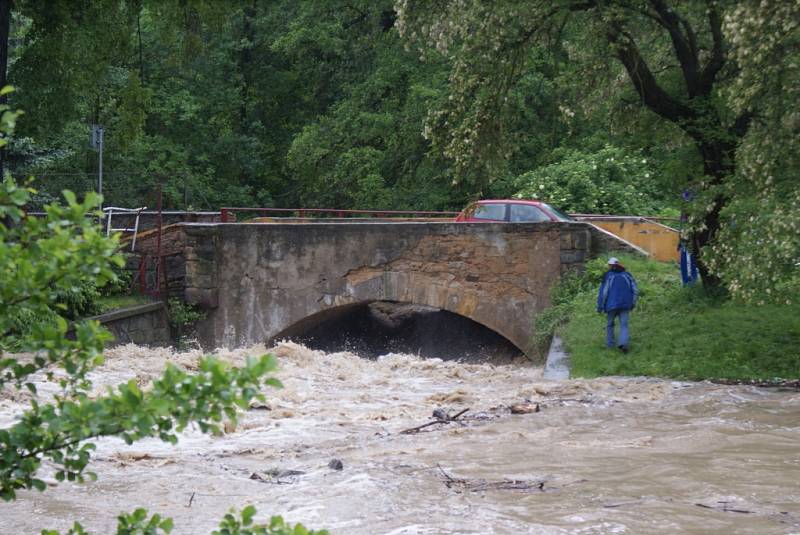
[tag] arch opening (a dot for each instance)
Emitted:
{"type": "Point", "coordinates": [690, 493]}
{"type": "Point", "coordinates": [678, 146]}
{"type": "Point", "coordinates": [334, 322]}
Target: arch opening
{"type": "Point", "coordinates": [375, 328]}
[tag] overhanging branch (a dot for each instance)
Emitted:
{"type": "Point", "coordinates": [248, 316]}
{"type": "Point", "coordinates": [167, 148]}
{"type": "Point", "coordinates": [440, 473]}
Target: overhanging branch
{"type": "Point", "coordinates": [717, 60]}
{"type": "Point", "coordinates": [684, 45]}
{"type": "Point", "coordinates": [652, 94]}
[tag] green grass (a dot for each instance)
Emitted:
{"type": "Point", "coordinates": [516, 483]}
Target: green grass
{"type": "Point", "coordinates": [114, 302]}
{"type": "Point", "coordinates": [684, 333]}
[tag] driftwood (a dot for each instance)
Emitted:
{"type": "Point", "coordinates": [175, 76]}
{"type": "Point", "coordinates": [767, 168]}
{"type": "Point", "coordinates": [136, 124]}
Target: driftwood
{"type": "Point", "coordinates": [276, 476]}
{"type": "Point", "coordinates": [524, 408]}
{"type": "Point", "coordinates": [442, 419]}
{"type": "Point", "coordinates": [481, 485]}
{"type": "Point", "coordinates": [724, 507]}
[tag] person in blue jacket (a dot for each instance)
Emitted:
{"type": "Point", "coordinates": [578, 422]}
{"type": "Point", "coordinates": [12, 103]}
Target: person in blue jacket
{"type": "Point", "coordinates": [617, 297]}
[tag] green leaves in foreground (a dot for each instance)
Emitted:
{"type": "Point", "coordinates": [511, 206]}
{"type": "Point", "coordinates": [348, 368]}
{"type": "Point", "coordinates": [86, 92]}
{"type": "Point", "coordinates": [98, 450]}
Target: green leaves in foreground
{"type": "Point", "coordinates": [234, 525]}
{"type": "Point", "coordinates": [58, 431]}
{"type": "Point", "coordinates": [42, 260]}
{"type": "Point", "coordinates": [137, 523]}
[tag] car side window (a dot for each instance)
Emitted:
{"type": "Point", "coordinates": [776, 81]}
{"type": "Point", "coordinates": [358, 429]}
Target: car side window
{"type": "Point", "coordinates": [496, 212]}
{"type": "Point", "coordinates": [527, 213]}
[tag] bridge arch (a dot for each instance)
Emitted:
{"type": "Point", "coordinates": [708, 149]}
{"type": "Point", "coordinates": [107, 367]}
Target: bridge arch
{"type": "Point", "coordinates": [374, 328]}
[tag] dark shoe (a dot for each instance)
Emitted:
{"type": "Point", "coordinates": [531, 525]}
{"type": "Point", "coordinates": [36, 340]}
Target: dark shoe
{"type": "Point", "coordinates": [624, 349]}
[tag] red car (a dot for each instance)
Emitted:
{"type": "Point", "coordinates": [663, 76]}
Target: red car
{"type": "Point", "coordinates": [510, 210]}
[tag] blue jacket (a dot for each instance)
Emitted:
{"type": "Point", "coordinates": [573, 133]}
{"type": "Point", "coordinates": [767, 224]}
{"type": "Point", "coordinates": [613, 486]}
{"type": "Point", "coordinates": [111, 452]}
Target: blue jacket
{"type": "Point", "coordinates": [618, 291]}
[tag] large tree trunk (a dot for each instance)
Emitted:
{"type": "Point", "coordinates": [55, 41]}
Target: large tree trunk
{"type": "Point", "coordinates": [718, 163]}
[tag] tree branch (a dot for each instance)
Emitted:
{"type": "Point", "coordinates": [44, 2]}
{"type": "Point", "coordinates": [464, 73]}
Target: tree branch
{"type": "Point", "coordinates": [742, 124]}
{"type": "Point", "coordinates": [653, 96]}
{"type": "Point", "coordinates": [717, 60]}
{"type": "Point", "coordinates": [685, 47]}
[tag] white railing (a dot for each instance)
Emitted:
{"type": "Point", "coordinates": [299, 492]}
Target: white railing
{"type": "Point", "coordinates": [111, 210]}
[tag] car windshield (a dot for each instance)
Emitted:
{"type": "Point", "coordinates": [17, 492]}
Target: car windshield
{"type": "Point", "coordinates": [558, 213]}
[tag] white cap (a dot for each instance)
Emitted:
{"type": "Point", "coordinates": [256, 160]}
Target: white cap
{"type": "Point", "coordinates": [613, 261]}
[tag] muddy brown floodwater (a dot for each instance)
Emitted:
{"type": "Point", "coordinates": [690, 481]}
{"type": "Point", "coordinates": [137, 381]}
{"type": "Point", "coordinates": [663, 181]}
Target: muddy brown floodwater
{"type": "Point", "coordinates": [613, 455]}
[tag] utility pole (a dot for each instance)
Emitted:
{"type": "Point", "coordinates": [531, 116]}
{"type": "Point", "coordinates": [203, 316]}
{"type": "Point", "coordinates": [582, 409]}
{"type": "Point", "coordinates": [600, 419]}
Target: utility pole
{"type": "Point", "coordinates": [97, 144]}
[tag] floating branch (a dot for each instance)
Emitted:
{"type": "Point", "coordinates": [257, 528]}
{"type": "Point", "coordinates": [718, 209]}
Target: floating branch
{"type": "Point", "coordinates": [442, 419]}
{"type": "Point", "coordinates": [481, 485]}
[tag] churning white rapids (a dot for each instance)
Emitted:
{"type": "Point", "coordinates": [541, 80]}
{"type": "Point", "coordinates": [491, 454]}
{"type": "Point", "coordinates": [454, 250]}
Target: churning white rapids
{"type": "Point", "coordinates": [612, 455]}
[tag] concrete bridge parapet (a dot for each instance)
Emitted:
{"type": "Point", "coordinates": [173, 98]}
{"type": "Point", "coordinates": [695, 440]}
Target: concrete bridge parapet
{"type": "Point", "coordinates": [259, 280]}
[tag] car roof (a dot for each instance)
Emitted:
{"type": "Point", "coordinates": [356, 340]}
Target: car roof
{"type": "Point", "coordinates": [516, 201]}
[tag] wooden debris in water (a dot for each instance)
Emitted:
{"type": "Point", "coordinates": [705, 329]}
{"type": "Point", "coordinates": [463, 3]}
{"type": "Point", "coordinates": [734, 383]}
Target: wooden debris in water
{"type": "Point", "coordinates": [277, 476]}
{"type": "Point", "coordinates": [441, 419]}
{"type": "Point", "coordinates": [480, 485]}
{"type": "Point", "coordinates": [524, 408]}
{"type": "Point", "coordinates": [725, 507]}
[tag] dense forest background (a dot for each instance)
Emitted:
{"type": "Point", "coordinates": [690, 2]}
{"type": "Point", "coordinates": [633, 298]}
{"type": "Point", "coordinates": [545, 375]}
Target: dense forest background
{"type": "Point", "coordinates": [645, 107]}
{"type": "Point", "coordinates": [316, 104]}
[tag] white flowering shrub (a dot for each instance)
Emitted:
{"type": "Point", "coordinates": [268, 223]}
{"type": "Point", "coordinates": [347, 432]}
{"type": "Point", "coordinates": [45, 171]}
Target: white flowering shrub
{"type": "Point", "coordinates": [608, 181]}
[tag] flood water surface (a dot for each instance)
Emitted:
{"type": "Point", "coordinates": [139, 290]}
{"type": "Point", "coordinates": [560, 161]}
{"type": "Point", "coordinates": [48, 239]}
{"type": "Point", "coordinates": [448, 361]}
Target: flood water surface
{"type": "Point", "coordinates": [613, 455]}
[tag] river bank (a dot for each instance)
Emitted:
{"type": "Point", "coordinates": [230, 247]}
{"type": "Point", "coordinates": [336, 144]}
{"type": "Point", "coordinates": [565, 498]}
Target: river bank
{"type": "Point", "coordinates": [681, 333]}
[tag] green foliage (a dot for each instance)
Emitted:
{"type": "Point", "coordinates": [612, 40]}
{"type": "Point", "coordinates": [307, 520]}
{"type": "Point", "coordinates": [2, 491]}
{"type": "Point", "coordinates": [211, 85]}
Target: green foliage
{"type": "Point", "coordinates": [42, 259]}
{"type": "Point", "coordinates": [367, 150]}
{"type": "Point", "coordinates": [138, 523]}
{"type": "Point", "coordinates": [609, 181]}
{"type": "Point", "coordinates": [758, 254]}
{"type": "Point", "coordinates": [422, 104]}
{"type": "Point", "coordinates": [79, 301]}
{"type": "Point", "coordinates": [59, 432]}
{"type": "Point", "coordinates": [50, 265]}
{"type": "Point", "coordinates": [115, 302]}
{"type": "Point", "coordinates": [183, 315]}
{"type": "Point", "coordinates": [135, 523]}
{"type": "Point", "coordinates": [701, 87]}
{"type": "Point", "coordinates": [245, 525]}
{"type": "Point", "coordinates": [121, 283]}
{"type": "Point", "coordinates": [685, 332]}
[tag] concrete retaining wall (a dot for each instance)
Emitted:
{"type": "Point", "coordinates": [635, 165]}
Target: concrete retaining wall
{"type": "Point", "coordinates": [660, 241]}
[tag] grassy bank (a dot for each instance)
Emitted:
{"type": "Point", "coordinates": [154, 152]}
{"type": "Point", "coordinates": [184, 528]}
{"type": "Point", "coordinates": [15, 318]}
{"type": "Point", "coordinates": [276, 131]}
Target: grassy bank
{"type": "Point", "coordinates": [114, 302]}
{"type": "Point", "coordinates": [678, 332]}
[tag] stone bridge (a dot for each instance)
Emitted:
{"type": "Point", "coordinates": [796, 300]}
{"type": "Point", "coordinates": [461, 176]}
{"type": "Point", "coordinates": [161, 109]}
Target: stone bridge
{"type": "Point", "coordinates": [259, 282]}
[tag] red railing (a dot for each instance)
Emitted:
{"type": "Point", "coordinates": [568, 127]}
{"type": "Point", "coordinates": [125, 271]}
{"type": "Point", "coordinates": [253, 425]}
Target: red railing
{"type": "Point", "coordinates": [226, 213]}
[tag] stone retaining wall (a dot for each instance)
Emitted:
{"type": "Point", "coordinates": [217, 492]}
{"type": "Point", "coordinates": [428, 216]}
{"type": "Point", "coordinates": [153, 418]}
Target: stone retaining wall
{"type": "Point", "coordinates": [141, 324]}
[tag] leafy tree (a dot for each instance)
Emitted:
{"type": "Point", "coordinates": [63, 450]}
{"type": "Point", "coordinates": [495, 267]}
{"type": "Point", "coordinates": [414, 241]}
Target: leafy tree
{"type": "Point", "coordinates": [40, 259]}
{"type": "Point", "coordinates": [676, 57]}
{"type": "Point", "coordinates": [609, 181]}
{"type": "Point", "coordinates": [758, 253]}
{"type": "Point", "coordinates": [368, 151]}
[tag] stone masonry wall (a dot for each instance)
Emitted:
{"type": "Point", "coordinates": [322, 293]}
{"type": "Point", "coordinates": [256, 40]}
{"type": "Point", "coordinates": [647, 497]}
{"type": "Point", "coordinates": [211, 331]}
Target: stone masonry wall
{"type": "Point", "coordinates": [258, 280]}
{"type": "Point", "coordinates": [142, 324]}
{"type": "Point", "coordinates": [173, 241]}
